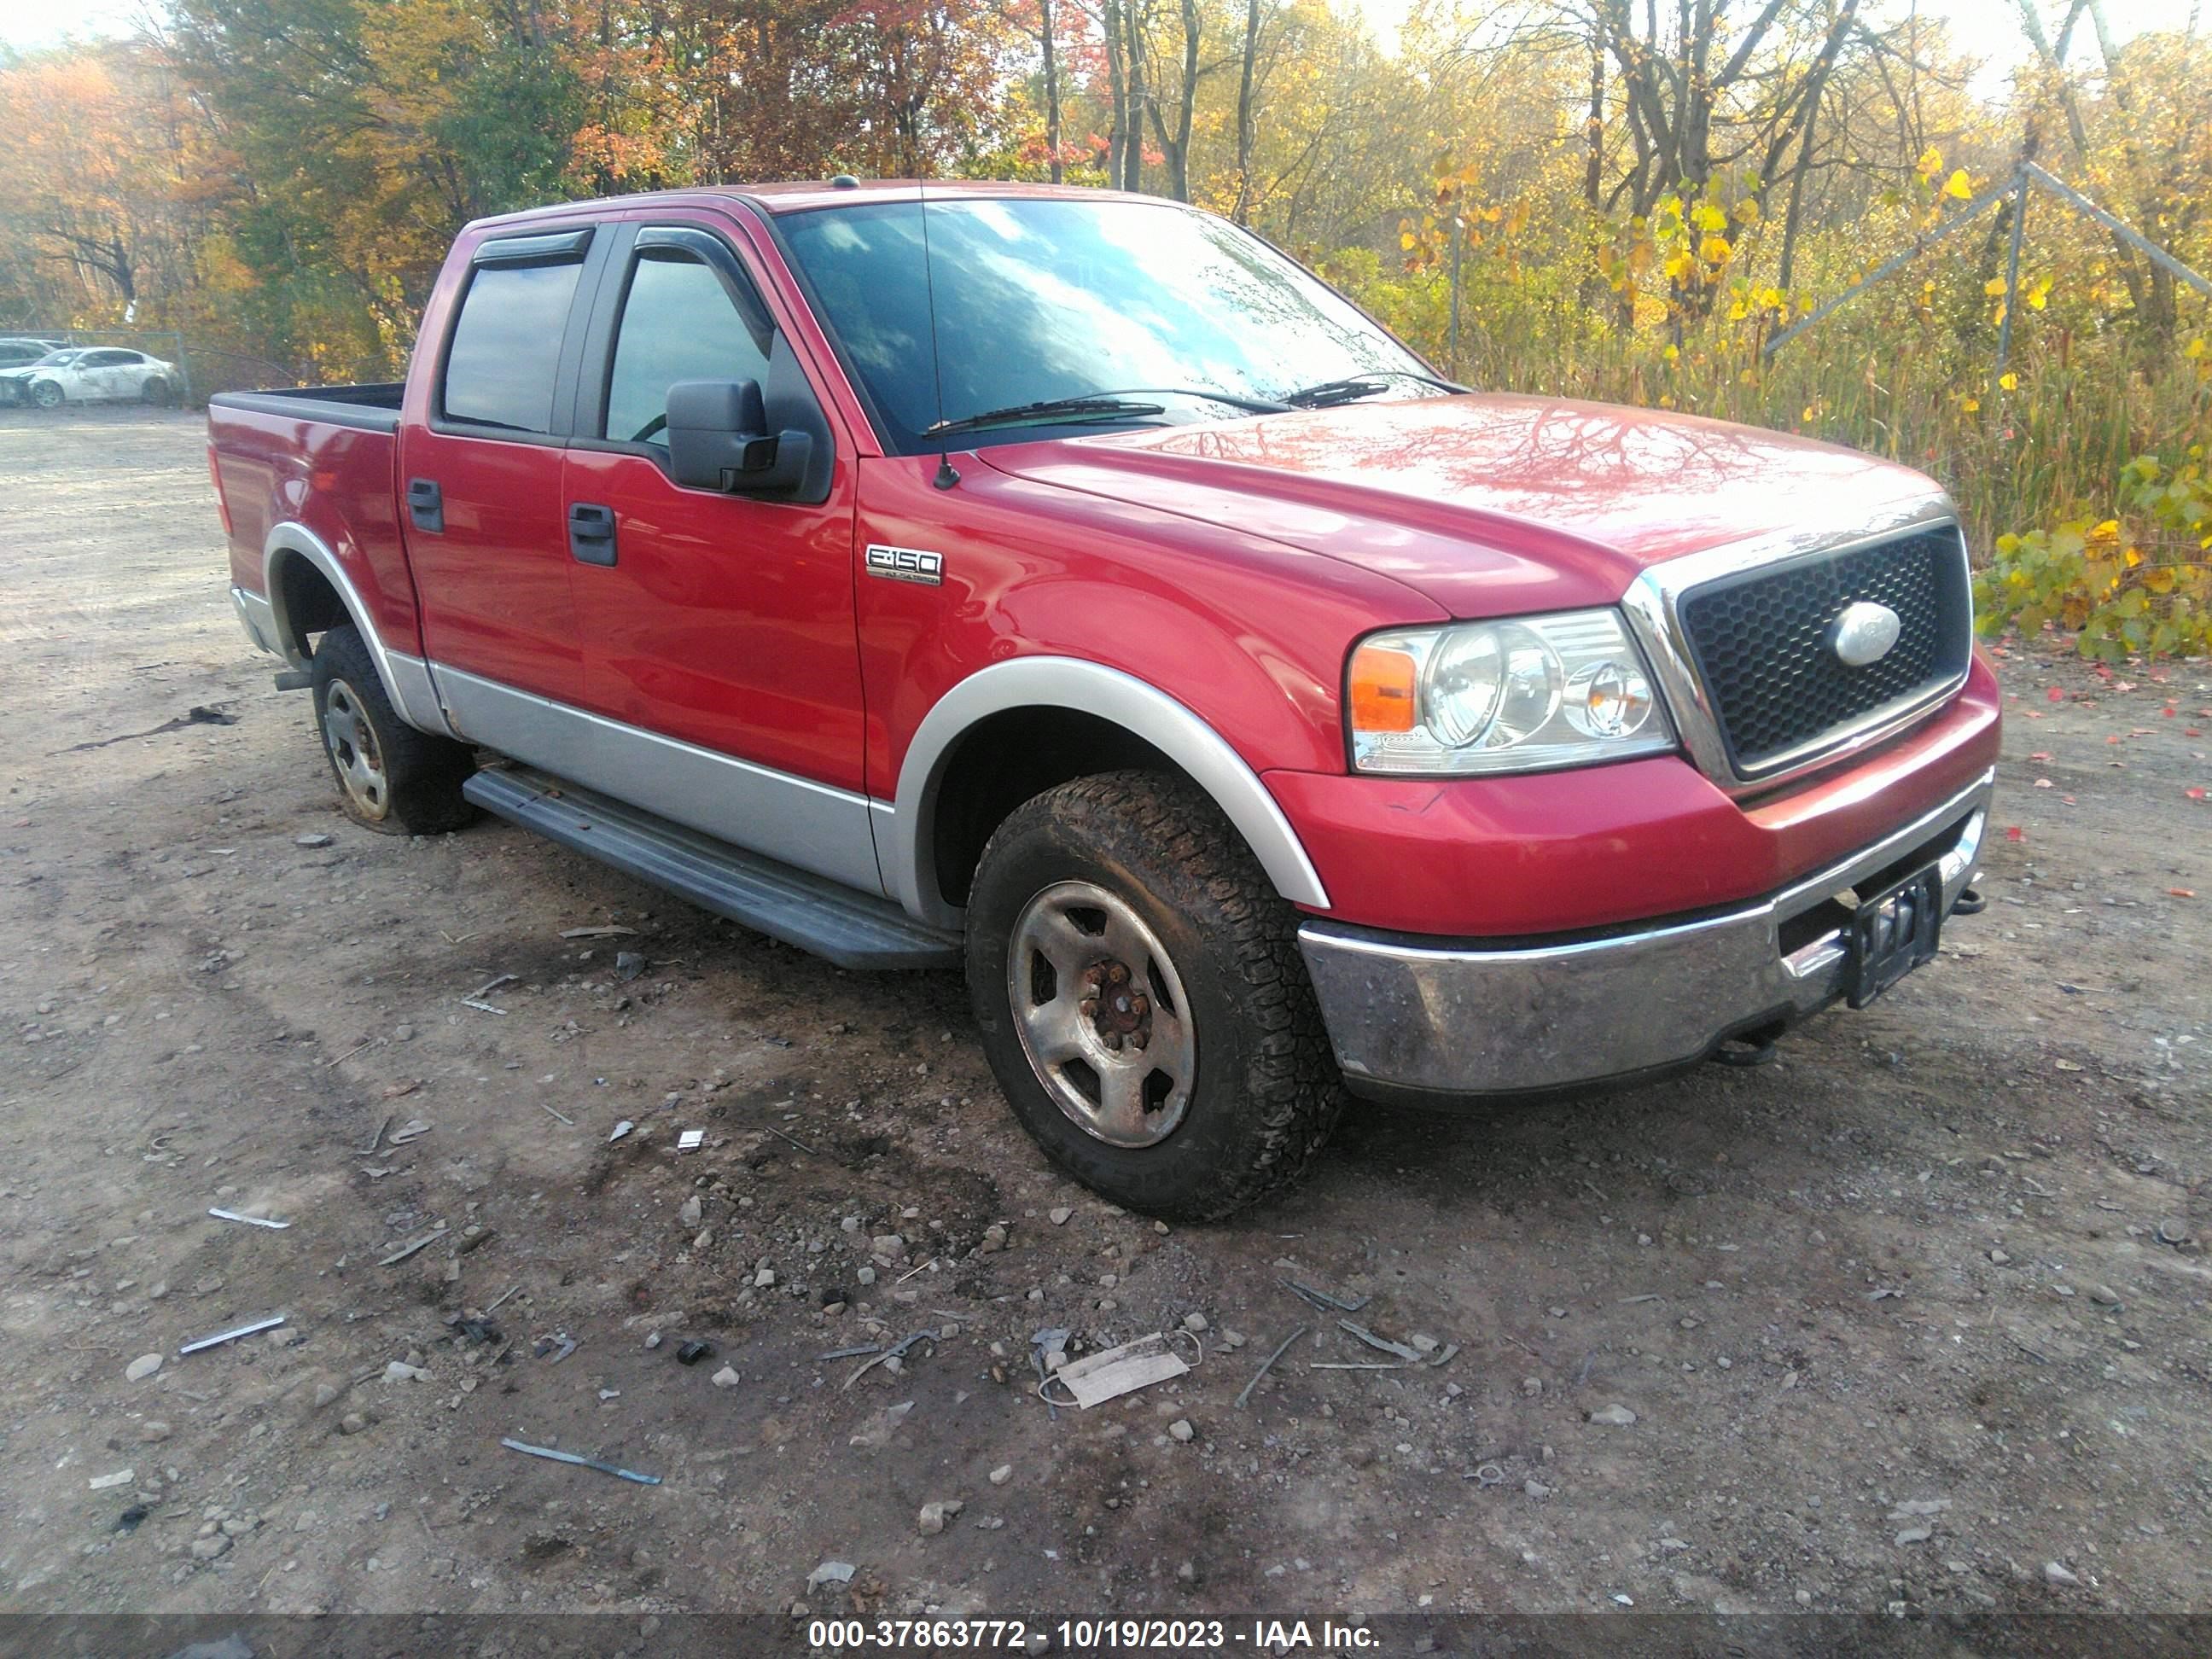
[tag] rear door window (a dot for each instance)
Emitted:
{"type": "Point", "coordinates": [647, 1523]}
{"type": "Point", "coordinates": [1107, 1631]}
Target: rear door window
{"type": "Point", "coordinates": [506, 350]}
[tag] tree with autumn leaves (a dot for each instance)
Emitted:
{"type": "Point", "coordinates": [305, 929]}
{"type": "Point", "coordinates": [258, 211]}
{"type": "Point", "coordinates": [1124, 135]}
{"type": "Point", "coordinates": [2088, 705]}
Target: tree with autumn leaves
{"type": "Point", "coordinates": [1636, 198]}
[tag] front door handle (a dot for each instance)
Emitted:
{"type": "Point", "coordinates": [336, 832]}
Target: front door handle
{"type": "Point", "coordinates": [591, 532]}
{"type": "Point", "coordinates": [426, 505]}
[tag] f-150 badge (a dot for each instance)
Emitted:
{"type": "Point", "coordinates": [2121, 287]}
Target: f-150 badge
{"type": "Point", "coordinates": [907, 564]}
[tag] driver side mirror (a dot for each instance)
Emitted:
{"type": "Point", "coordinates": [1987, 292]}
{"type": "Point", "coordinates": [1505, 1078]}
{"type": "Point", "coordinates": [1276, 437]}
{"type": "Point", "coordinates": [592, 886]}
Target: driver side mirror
{"type": "Point", "coordinates": [718, 439]}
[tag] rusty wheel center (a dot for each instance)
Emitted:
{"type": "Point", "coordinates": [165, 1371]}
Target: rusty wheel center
{"type": "Point", "coordinates": [1102, 1014]}
{"type": "Point", "coordinates": [1117, 1010]}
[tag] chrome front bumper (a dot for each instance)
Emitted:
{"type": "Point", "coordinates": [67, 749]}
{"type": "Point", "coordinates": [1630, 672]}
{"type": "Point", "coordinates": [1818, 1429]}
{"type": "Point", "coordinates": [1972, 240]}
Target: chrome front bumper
{"type": "Point", "coordinates": [1411, 1019]}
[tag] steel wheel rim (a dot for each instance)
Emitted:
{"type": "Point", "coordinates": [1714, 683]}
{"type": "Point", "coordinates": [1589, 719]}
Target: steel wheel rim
{"type": "Point", "coordinates": [351, 741]}
{"type": "Point", "coordinates": [1118, 1054]}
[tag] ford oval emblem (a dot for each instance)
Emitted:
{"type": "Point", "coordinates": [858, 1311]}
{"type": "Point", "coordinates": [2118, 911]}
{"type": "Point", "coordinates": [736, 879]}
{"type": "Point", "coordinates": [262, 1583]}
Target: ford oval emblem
{"type": "Point", "coordinates": [1864, 634]}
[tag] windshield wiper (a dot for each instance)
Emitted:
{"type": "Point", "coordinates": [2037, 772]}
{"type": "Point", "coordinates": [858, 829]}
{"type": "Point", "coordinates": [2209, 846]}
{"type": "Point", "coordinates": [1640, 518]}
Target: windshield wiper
{"type": "Point", "coordinates": [1322, 393]}
{"type": "Point", "coordinates": [1093, 407]}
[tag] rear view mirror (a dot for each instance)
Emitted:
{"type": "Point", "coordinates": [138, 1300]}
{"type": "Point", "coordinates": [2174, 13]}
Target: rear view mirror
{"type": "Point", "coordinates": [718, 439]}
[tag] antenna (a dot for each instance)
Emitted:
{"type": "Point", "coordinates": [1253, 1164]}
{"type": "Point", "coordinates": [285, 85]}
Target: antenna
{"type": "Point", "coordinates": [946, 478]}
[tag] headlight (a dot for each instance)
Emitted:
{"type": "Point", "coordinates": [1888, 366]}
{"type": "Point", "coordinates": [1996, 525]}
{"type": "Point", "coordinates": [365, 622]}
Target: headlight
{"type": "Point", "coordinates": [1524, 695]}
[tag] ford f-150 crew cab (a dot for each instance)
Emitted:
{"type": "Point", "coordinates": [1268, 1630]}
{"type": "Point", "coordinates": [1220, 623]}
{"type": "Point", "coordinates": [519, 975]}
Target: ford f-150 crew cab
{"type": "Point", "coordinates": [1069, 588]}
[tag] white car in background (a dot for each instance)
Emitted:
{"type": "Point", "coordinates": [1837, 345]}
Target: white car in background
{"type": "Point", "coordinates": [84, 374]}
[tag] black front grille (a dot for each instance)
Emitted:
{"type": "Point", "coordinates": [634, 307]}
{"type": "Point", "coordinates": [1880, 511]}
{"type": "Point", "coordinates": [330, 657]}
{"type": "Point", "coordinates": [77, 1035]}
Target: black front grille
{"type": "Point", "coordinates": [1761, 641]}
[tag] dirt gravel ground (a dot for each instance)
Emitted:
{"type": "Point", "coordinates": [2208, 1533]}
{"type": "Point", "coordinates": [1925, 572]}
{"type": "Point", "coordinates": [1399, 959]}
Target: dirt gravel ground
{"type": "Point", "coordinates": [1913, 1320]}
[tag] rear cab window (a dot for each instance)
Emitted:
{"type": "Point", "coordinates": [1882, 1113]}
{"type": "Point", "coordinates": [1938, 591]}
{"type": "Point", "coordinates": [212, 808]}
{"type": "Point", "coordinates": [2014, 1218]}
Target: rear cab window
{"type": "Point", "coordinates": [503, 361]}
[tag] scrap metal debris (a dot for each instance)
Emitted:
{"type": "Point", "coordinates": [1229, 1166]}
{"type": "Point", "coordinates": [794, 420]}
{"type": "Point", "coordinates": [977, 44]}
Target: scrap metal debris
{"type": "Point", "coordinates": [1050, 1339]}
{"type": "Point", "coordinates": [476, 998]}
{"type": "Point", "coordinates": [1112, 1372]}
{"type": "Point", "coordinates": [621, 1129]}
{"type": "Point", "coordinates": [1284, 1347]}
{"type": "Point", "coordinates": [597, 933]}
{"type": "Point", "coordinates": [690, 1141]}
{"type": "Point", "coordinates": [1411, 1355]}
{"type": "Point", "coordinates": [1322, 1299]}
{"type": "Point", "coordinates": [250, 1220]}
{"type": "Point", "coordinates": [927, 1334]}
{"type": "Point", "coordinates": [580, 1460]}
{"type": "Point", "coordinates": [413, 1245]}
{"type": "Point", "coordinates": [222, 1337]}
{"type": "Point", "coordinates": [369, 1150]}
{"type": "Point", "coordinates": [560, 1345]}
{"type": "Point", "coordinates": [570, 1122]}
{"type": "Point", "coordinates": [413, 1129]}
{"type": "Point", "coordinates": [850, 1353]}
{"type": "Point", "coordinates": [691, 1353]}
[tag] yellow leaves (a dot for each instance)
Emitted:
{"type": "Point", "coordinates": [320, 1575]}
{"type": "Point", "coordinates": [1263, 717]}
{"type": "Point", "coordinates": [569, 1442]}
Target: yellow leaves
{"type": "Point", "coordinates": [1709, 218]}
{"type": "Point", "coordinates": [1812, 413]}
{"type": "Point", "coordinates": [2103, 535]}
{"type": "Point", "coordinates": [2038, 293]}
{"type": "Point", "coordinates": [1930, 162]}
{"type": "Point", "coordinates": [2195, 349]}
{"type": "Point", "coordinates": [1408, 241]}
{"type": "Point", "coordinates": [2008, 382]}
{"type": "Point", "coordinates": [1715, 250]}
{"type": "Point", "coordinates": [1959, 186]}
{"type": "Point", "coordinates": [1672, 353]}
{"type": "Point", "coordinates": [1970, 403]}
{"type": "Point", "coordinates": [1994, 287]}
{"type": "Point", "coordinates": [1679, 266]}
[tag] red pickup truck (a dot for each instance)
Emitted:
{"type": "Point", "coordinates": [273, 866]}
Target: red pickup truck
{"type": "Point", "coordinates": [1069, 588]}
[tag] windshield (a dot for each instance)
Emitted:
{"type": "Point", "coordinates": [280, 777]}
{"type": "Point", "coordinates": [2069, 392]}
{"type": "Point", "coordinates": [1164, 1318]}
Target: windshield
{"type": "Point", "coordinates": [1043, 299]}
{"type": "Point", "coordinates": [56, 359]}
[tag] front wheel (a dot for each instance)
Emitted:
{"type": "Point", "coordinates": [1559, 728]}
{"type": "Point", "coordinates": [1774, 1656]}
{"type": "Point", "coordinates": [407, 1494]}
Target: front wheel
{"type": "Point", "coordinates": [391, 778]}
{"type": "Point", "coordinates": [1142, 1000]}
{"type": "Point", "coordinates": [47, 394]}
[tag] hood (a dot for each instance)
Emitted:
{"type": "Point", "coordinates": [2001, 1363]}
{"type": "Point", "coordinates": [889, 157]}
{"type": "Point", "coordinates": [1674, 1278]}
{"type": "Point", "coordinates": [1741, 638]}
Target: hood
{"type": "Point", "coordinates": [1485, 504]}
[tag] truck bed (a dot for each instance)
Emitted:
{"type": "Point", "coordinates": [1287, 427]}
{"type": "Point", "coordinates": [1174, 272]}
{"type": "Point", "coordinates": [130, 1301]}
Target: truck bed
{"type": "Point", "coordinates": [316, 469]}
{"type": "Point", "coordinates": [372, 408]}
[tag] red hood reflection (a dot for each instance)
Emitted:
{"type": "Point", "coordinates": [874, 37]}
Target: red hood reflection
{"type": "Point", "coordinates": [1485, 504]}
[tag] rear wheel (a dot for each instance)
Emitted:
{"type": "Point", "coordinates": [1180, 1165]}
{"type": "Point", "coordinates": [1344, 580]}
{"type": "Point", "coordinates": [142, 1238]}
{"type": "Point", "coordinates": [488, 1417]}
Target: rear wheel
{"type": "Point", "coordinates": [158, 392]}
{"type": "Point", "coordinates": [391, 777]}
{"type": "Point", "coordinates": [1142, 1000]}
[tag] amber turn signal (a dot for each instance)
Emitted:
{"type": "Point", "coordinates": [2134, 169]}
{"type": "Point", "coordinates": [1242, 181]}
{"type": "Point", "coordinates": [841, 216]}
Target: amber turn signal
{"type": "Point", "coordinates": [1383, 688]}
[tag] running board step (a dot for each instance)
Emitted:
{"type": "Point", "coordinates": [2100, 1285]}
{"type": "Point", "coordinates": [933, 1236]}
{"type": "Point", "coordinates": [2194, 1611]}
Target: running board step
{"type": "Point", "coordinates": [811, 912]}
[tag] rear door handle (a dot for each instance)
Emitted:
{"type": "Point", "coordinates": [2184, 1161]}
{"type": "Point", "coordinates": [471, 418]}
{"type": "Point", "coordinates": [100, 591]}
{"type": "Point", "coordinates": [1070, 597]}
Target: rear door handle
{"type": "Point", "coordinates": [591, 532]}
{"type": "Point", "coordinates": [426, 505]}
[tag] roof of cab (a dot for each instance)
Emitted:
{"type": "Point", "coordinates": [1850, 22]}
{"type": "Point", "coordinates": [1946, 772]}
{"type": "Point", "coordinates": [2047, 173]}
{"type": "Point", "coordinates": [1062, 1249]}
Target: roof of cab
{"type": "Point", "coordinates": [803, 195]}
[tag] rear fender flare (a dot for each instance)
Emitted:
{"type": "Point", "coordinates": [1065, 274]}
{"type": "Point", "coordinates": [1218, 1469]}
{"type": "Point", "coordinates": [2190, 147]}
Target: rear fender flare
{"type": "Point", "coordinates": [406, 679]}
{"type": "Point", "coordinates": [907, 844]}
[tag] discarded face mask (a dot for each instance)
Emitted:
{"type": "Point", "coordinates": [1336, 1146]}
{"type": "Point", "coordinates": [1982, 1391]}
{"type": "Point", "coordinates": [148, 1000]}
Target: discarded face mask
{"type": "Point", "coordinates": [1098, 1377]}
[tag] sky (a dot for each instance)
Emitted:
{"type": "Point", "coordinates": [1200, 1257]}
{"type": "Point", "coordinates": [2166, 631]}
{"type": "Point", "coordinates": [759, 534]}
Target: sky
{"type": "Point", "coordinates": [1990, 26]}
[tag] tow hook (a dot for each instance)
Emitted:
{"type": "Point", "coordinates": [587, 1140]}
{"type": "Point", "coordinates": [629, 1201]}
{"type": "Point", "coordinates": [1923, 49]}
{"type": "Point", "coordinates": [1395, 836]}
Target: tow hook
{"type": "Point", "coordinates": [1971, 903]}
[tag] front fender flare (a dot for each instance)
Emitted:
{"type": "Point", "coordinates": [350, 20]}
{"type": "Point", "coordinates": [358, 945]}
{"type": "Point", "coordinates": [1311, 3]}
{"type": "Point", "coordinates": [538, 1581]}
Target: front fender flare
{"type": "Point", "coordinates": [906, 842]}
